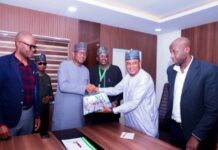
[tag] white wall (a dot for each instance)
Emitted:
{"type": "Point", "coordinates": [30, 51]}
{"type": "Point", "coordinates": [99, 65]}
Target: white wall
{"type": "Point", "coordinates": [163, 60]}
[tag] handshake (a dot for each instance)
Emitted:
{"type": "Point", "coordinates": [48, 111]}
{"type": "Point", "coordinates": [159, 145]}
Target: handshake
{"type": "Point", "coordinates": [90, 88]}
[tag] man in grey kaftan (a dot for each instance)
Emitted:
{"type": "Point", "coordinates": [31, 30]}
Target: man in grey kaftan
{"type": "Point", "coordinates": [73, 82]}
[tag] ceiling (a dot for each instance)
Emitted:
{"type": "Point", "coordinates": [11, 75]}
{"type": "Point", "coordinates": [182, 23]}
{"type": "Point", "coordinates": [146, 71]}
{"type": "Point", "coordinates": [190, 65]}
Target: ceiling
{"type": "Point", "coordinates": [137, 15]}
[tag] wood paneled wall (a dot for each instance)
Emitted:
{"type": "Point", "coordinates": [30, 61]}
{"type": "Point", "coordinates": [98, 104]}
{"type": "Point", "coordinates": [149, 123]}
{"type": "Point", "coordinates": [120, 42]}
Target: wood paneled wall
{"type": "Point", "coordinates": [90, 32]}
{"type": "Point", "coordinates": [19, 19]}
{"type": "Point", "coordinates": [204, 41]}
{"type": "Point", "coordinates": [114, 37]}
{"type": "Point", "coordinates": [96, 35]}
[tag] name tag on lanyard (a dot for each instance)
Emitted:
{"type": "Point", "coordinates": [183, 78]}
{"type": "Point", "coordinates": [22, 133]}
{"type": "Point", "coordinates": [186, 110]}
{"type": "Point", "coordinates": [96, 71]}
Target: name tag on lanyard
{"type": "Point", "coordinates": [101, 75]}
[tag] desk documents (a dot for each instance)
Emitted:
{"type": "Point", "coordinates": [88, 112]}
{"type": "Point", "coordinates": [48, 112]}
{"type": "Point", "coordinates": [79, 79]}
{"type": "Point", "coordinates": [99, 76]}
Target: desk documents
{"type": "Point", "coordinates": [78, 144]}
{"type": "Point", "coordinates": [100, 137]}
{"type": "Point", "coordinates": [127, 135]}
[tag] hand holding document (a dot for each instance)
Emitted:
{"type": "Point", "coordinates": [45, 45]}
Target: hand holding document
{"type": "Point", "coordinates": [95, 103]}
{"type": "Point", "coordinates": [127, 135]}
{"type": "Point", "coordinates": [106, 110]}
{"type": "Point", "coordinates": [90, 88]}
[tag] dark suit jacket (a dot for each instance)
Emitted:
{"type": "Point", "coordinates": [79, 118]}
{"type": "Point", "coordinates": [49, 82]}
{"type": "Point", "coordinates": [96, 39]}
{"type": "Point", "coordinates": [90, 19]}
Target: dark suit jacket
{"type": "Point", "coordinates": [199, 99]}
{"type": "Point", "coordinates": [11, 91]}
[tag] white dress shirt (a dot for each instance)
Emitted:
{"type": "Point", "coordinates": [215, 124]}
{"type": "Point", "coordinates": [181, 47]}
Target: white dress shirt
{"type": "Point", "coordinates": [178, 86]}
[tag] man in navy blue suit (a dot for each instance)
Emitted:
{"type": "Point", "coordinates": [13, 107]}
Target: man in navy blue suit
{"type": "Point", "coordinates": [19, 103]}
{"type": "Point", "coordinates": [193, 99]}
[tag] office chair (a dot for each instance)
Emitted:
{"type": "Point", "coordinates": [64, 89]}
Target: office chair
{"type": "Point", "coordinates": [164, 133]}
{"type": "Point", "coordinates": [163, 103]}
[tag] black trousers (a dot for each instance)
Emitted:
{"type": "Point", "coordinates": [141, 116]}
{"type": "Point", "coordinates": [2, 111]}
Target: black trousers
{"type": "Point", "coordinates": [178, 139]}
{"type": "Point", "coordinates": [177, 136]}
{"type": "Point", "coordinates": [44, 116]}
{"type": "Point", "coordinates": [99, 118]}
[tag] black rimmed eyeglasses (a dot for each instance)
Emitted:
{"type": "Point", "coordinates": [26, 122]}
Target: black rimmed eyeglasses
{"type": "Point", "coordinates": [32, 47]}
{"type": "Point", "coordinates": [42, 63]}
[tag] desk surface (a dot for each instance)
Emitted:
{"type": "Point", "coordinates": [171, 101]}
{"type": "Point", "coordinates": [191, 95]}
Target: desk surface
{"type": "Point", "coordinates": [106, 136]}
{"type": "Point", "coordinates": [31, 142]}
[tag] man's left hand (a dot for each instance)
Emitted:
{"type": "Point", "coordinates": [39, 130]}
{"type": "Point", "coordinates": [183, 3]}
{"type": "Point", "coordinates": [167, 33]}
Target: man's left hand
{"type": "Point", "coordinates": [37, 123]}
{"type": "Point", "coordinates": [192, 143]}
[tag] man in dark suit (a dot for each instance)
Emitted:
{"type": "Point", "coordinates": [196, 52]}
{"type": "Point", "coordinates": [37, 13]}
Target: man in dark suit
{"type": "Point", "coordinates": [193, 99]}
{"type": "Point", "coordinates": [19, 103]}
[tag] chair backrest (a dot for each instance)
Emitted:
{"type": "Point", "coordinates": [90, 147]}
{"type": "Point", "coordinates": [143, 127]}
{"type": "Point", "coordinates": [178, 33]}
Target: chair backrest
{"type": "Point", "coordinates": [163, 103]}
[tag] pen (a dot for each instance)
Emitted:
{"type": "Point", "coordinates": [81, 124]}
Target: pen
{"type": "Point", "coordinates": [124, 134]}
{"type": "Point", "coordinates": [77, 143]}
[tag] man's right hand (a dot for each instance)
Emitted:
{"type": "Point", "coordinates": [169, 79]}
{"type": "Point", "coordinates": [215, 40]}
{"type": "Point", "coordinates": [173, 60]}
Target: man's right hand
{"type": "Point", "coordinates": [106, 110]}
{"type": "Point", "coordinates": [90, 88]}
{"type": "Point", "coordinates": [4, 132]}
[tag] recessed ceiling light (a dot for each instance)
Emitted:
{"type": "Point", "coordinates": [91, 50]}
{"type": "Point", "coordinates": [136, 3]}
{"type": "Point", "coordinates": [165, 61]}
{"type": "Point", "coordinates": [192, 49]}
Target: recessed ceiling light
{"type": "Point", "coordinates": [72, 9]}
{"type": "Point", "coordinates": [158, 29]}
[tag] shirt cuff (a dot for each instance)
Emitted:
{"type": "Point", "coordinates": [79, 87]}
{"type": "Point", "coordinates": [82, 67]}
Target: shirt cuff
{"type": "Point", "coordinates": [99, 89]}
{"type": "Point", "coordinates": [115, 111]}
{"type": "Point", "coordinates": [196, 136]}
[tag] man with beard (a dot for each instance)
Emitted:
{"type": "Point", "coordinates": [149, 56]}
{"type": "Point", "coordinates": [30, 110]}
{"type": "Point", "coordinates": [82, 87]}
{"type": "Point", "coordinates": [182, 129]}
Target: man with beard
{"type": "Point", "coordinates": [105, 75]}
{"type": "Point", "coordinates": [193, 99]}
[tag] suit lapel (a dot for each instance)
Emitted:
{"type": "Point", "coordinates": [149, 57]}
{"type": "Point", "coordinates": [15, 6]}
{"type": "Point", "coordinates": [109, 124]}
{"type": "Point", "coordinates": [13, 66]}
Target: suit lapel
{"type": "Point", "coordinates": [16, 69]}
{"type": "Point", "coordinates": [191, 74]}
{"type": "Point", "coordinates": [172, 77]}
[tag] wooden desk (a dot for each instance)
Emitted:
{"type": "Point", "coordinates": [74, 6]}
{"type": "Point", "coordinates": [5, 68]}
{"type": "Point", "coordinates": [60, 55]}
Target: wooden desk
{"type": "Point", "coordinates": [31, 142]}
{"type": "Point", "coordinates": [105, 136]}
{"type": "Point", "coordinates": [108, 137]}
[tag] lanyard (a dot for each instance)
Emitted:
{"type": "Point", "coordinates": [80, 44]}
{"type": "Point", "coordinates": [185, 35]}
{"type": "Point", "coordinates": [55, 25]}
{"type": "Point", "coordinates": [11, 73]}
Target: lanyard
{"type": "Point", "coordinates": [101, 75]}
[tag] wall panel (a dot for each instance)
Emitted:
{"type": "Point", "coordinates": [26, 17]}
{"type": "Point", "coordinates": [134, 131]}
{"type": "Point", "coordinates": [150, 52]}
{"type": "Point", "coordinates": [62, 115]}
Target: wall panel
{"type": "Point", "coordinates": [90, 32]}
{"type": "Point", "coordinates": [95, 34]}
{"type": "Point", "coordinates": [114, 37]}
{"type": "Point", "coordinates": [204, 41]}
{"type": "Point", "coordinates": [39, 23]}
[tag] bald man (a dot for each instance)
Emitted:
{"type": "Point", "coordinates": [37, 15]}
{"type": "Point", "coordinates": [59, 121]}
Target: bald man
{"type": "Point", "coordinates": [19, 104]}
{"type": "Point", "coordinates": [193, 99]}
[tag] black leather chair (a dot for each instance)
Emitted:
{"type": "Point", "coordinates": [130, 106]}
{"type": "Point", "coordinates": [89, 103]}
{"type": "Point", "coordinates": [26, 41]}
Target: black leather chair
{"type": "Point", "coordinates": [164, 133]}
{"type": "Point", "coordinates": [217, 135]}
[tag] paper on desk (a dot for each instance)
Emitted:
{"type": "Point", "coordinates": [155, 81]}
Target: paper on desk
{"type": "Point", "coordinates": [127, 135]}
{"type": "Point", "coordinates": [78, 144]}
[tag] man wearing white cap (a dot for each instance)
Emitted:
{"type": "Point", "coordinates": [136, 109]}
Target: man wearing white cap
{"type": "Point", "coordinates": [140, 111]}
{"type": "Point", "coordinates": [73, 82]}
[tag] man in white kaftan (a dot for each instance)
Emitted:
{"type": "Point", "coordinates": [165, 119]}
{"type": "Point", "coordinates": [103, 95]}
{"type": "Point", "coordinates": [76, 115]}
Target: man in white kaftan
{"type": "Point", "coordinates": [73, 82]}
{"type": "Point", "coordinates": [139, 107]}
